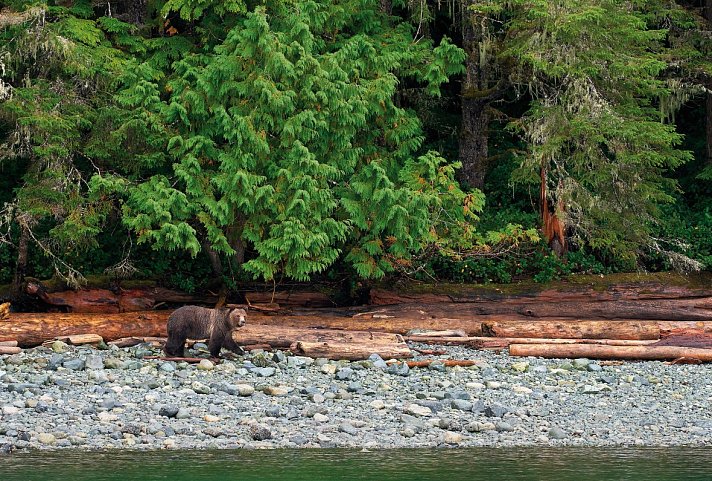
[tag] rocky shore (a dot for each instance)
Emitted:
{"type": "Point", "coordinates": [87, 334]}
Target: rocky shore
{"type": "Point", "coordinates": [85, 398]}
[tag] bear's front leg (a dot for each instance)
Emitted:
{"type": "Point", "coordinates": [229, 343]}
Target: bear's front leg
{"type": "Point", "coordinates": [231, 345]}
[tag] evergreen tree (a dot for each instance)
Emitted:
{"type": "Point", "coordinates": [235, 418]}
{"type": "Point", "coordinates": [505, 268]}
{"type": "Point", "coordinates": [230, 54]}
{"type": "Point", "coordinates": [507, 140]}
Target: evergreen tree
{"type": "Point", "coordinates": [56, 66]}
{"type": "Point", "coordinates": [285, 140]}
{"type": "Point", "coordinates": [597, 142]}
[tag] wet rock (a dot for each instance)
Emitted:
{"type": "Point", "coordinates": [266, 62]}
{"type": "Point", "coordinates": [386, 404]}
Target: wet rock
{"type": "Point", "coordinates": [265, 371]}
{"type": "Point", "coordinates": [461, 405]}
{"type": "Point", "coordinates": [377, 362]}
{"type": "Point", "coordinates": [205, 365]}
{"type": "Point", "coordinates": [348, 428]}
{"type": "Point", "coordinates": [344, 374]}
{"type": "Point", "coordinates": [200, 388]}
{"type": "Point", "coordinates": [495, 410]}
{"type": "Point", "coordinates": [60, 347]}
{"type": "Point", "coordinates": [47, 439]}
{"type": "Point", "coordinates": [260, 432]}
{"type": "Point", "coordinates": [452, 438]}
{"type": "Point", "coordinates": [168, 411]}
{"type": "Point", "coordinates": [399, 369]}
{"type": "Point", "coordinates": [276, 391]}
{"type": "Point", "coordinates": [503, 426]}
{"type": "Point", "coordinates": [94, 362]}
{"type": "Point", "coordinates": [417, 410]}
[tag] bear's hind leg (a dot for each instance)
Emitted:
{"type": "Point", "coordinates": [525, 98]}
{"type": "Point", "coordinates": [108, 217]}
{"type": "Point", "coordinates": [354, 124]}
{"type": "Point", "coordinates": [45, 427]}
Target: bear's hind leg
{"type": "Point", "coordinates": [215, 343]}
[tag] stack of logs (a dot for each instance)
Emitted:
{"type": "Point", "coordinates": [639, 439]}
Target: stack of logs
{"type": "Point", "coordinates": [648, 318]}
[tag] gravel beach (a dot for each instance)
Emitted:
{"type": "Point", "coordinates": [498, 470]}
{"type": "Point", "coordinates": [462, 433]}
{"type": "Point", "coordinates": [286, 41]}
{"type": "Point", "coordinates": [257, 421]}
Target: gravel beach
{"type": "Point", "coordinates": [84, 398]}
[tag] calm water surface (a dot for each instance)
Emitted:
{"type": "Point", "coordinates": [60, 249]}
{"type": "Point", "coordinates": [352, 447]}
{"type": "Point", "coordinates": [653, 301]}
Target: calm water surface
{"type": "Point", "coordinates": [512, 464]}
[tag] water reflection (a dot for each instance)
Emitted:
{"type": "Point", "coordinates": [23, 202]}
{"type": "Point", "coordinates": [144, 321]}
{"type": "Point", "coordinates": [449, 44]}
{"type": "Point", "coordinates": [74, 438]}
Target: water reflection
{"type": "Point", "coordinates": [512, 464]}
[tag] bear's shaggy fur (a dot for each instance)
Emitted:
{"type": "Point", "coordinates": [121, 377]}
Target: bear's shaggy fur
{"type": "Point", "coordinates": [202, 323]}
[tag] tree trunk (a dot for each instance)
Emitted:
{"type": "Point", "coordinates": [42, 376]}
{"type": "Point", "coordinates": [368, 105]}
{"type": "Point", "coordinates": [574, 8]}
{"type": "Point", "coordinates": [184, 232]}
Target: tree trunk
{"type": "Point", "coordinates": [214, 257]}
{"type": "Point", "coordinates": [137, 12]}
{"type": "Point", "coordinates": [707, 13]}
{"type": "Point", "coordinates": [21, 265]}
{"type": "Point", "coordinates": [574, 351]}
{"type": "Point", "coordinates": [473, 142]}
{"type": "Point", "coordinates": [475, 107]}
{"type": "Point", "coordinates": [708, 127]}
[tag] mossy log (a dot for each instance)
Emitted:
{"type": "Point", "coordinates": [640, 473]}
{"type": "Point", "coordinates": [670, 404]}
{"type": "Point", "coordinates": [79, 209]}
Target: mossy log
{"type": "Point", "coordinates": [664, 285]}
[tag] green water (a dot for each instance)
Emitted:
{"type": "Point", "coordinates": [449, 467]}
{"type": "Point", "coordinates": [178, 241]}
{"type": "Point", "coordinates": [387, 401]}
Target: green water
{"type": "Point", "coordinates": [511, 464]}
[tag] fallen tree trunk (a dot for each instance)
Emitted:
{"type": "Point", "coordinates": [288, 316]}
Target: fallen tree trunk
{"type": "Point", "coordinates": [580, 288]}
{"type": "Point", "coordinates": [572, 351]}
{"type": "Point", "coordinates": [444, 362]}
{"type": "Point", "coordinates": [423, 334]}
{"type": "Point", "coordinates": [290, 299]}
{"type": "Point", "coordinates": [503, 342]}
{"type": "Point", "coordinates": [569, 329]}
{"type": "Point", "coordinates": [684, 309]}
{"type": "Point", "coordinates": [344, 349]}
{"type": "Point", "coordinates": [9, 350]}
{"type": "Point", "coordinates": [79, 339]}
{"type": "Point", "coordinates": [30, 329]}
{"type": "Point", "coordinates": [134, 341]}
{"type": "Point", "coordinates": [284, 337]}
{"type": "Point", "coordinates": [359, 320]}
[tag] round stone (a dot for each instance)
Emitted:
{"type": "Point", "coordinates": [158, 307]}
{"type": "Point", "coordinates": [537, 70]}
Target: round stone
{"type": "Point", "coordinates": [205, 365]}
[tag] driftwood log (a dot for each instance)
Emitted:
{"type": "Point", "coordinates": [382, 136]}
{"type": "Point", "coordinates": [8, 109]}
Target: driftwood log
{"type": "Point", "coordinates": [32, 329]}
{"type": "Point", "coordinates": [348, 349]}
{"type": "Point", "coordinates": [504, 342]}
{"type": "Point", "coordinates": [444, 362]}
{"type": "Point", "coordinates": [591, 288]}
{"type": "Point", "coordinates": [117, 299]}
{"type": "Point", "coordinates": [574, 329]}
{"type": "Point", "coordinates": [290, 299]}
{"type": "Point", "coordinates": [284, 337]}
{"type": "Point", "coordinates": [661, 353]}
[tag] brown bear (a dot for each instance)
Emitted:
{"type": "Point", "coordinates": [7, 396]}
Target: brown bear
{"type": "Point", "coordinates": [202, 323]}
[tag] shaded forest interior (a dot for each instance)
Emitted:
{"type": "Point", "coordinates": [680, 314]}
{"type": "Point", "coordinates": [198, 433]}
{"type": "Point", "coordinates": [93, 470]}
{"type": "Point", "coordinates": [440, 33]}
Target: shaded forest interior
{"type": "Point", "coordinates": [210, 146]}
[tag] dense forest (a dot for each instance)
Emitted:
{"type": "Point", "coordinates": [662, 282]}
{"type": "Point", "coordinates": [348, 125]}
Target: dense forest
{"type": "Point", "coordinates": [190, 141]}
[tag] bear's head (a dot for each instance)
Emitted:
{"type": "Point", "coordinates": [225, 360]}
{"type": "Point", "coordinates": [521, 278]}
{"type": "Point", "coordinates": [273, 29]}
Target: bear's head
{"type": "Point", "coordinates": [236, 317]}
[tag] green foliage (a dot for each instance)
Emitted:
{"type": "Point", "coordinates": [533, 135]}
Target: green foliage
{"type": "Point", "coordinates": [594, 70]}
{"type": "Point", "coordinates": [315, 138]}
{"type": "Point", "coordinates": [285, 137]}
